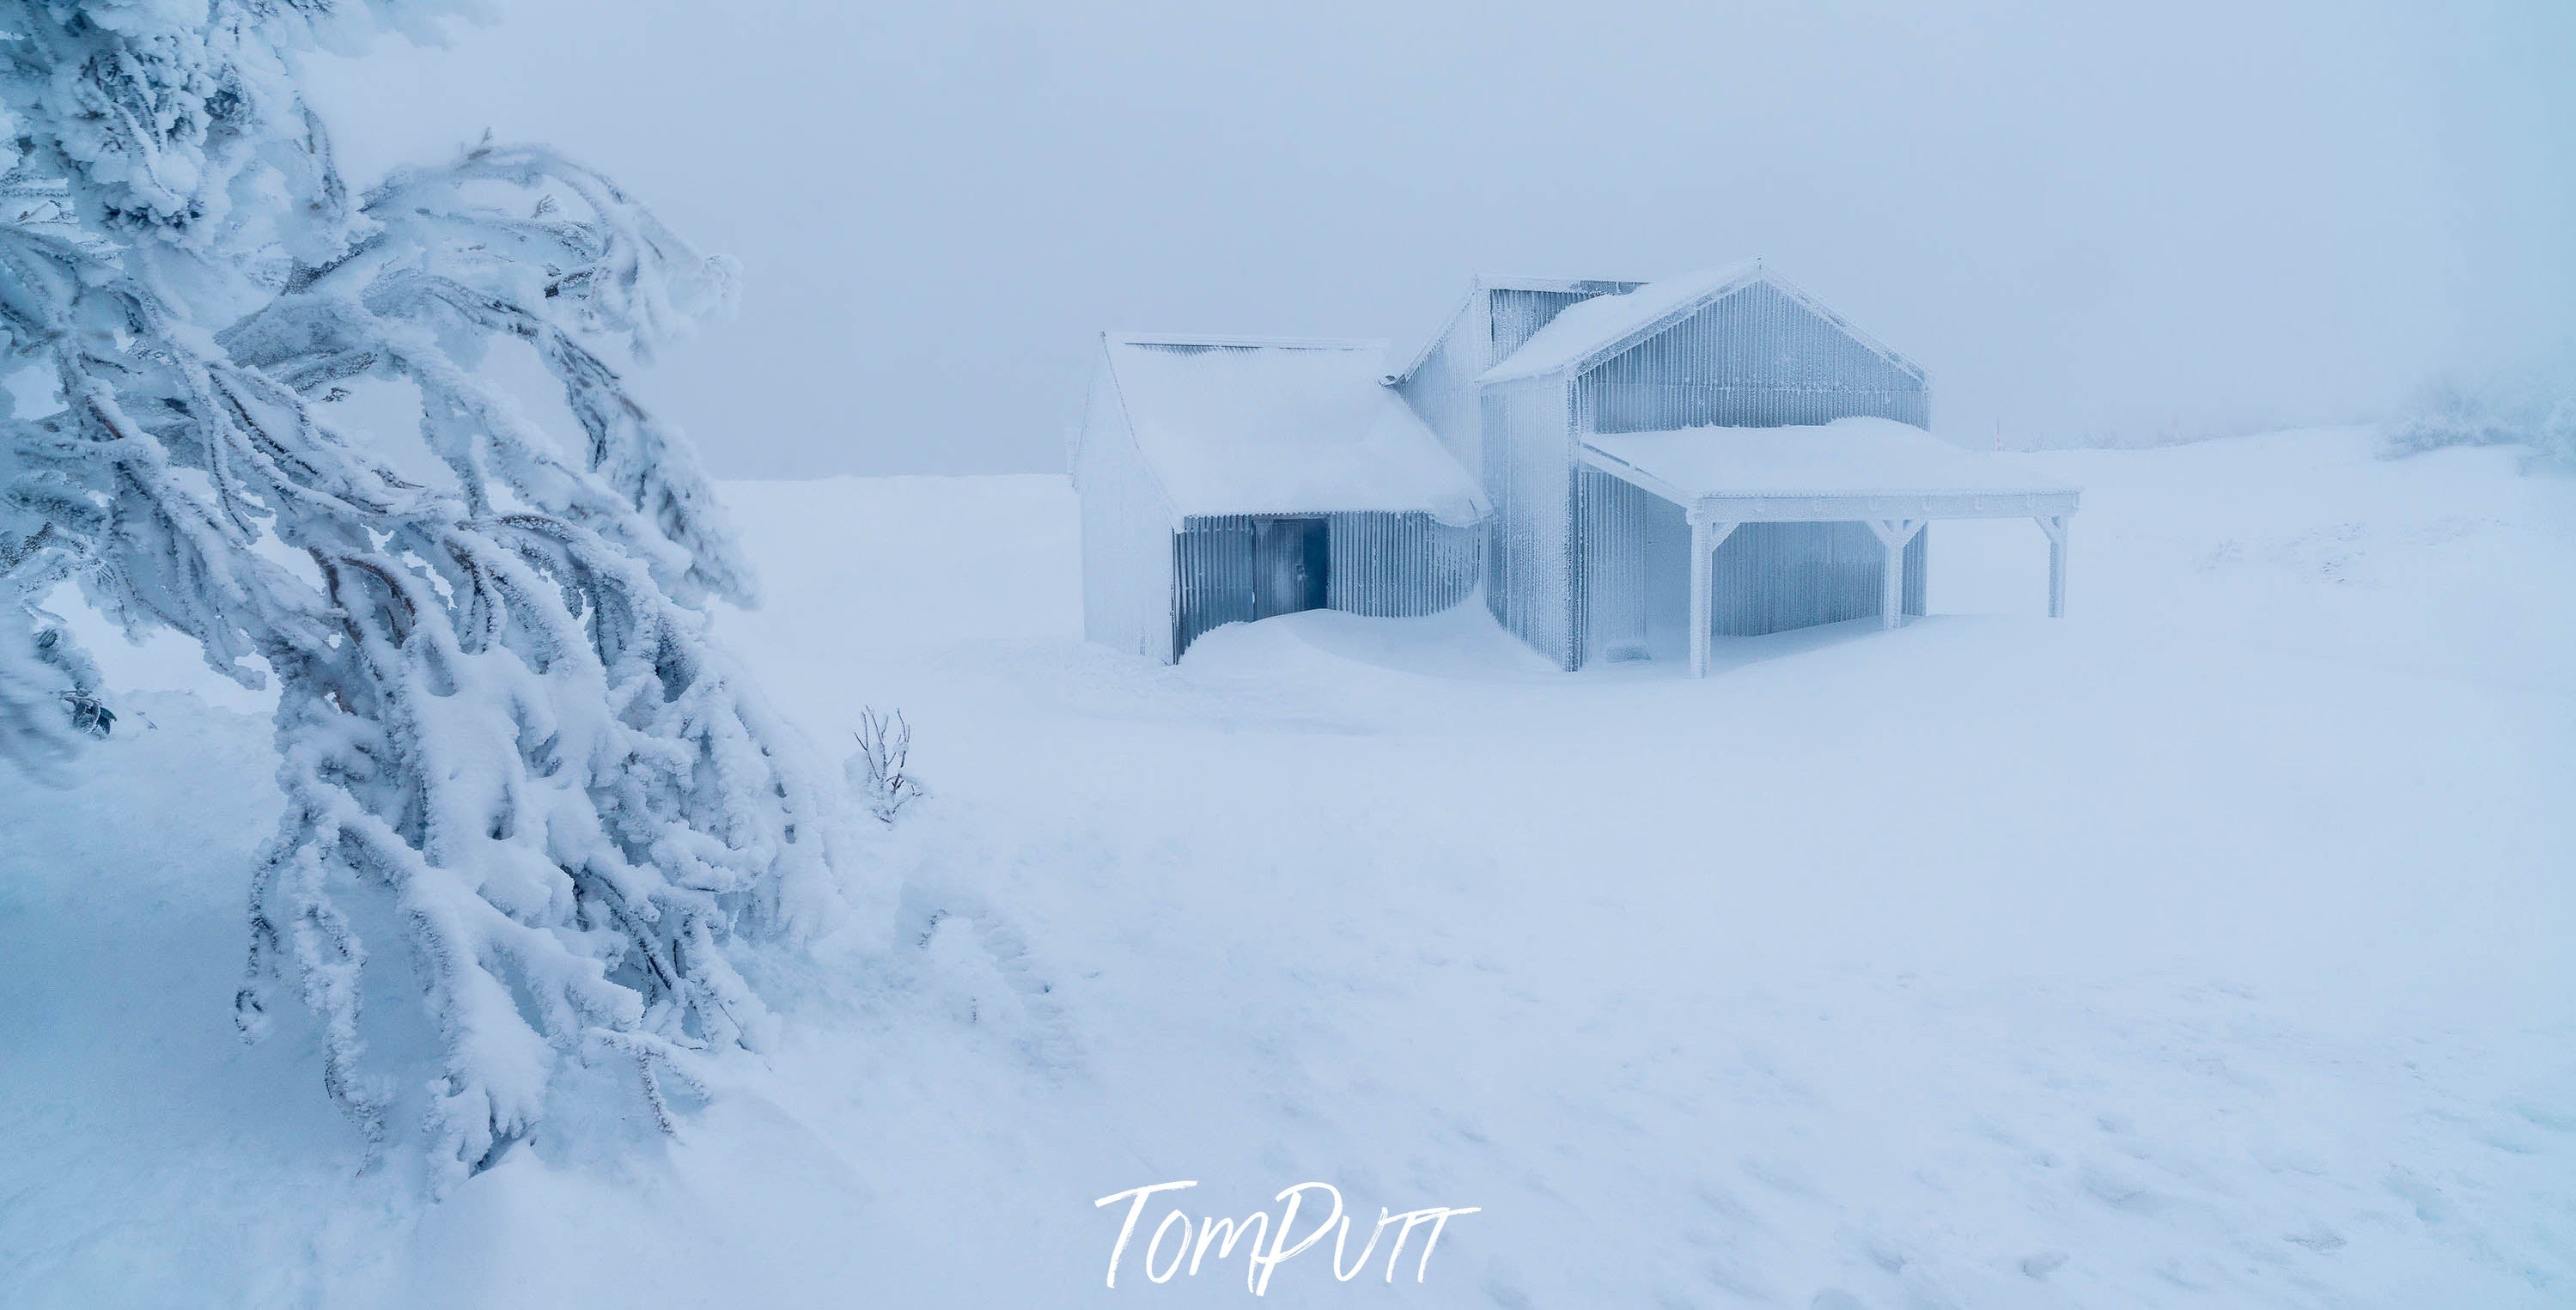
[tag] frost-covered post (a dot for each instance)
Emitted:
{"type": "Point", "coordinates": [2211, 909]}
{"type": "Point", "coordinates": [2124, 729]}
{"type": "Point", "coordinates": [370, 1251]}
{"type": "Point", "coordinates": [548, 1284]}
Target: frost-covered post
{"type": "Point", "coordinates": [1706, 536]}
{"type": "Point", "coordinates": [1703, 564]}
{"type": "Point", "coordinates": [518, 774]}
{"type": "Point", "coordinates": [1893, 536]}
{"type": "Point", "coordinates": [2055, 526]}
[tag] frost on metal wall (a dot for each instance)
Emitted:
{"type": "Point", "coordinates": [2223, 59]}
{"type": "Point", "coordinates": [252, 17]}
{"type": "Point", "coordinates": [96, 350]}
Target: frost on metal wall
{"type": "Point", "coordinates": [1529, 477]}
{"type": "Point", "coordinates": [1492, 323]}
{"type": "Point", "coordinates": [1771, 577]}
{"type": "Point", "coordinates": [1211, 568]}
{"type": "Point", "coordinates": [1515, 314]}
{"type": "Point", "coordinates": [1126, 533]}
{"type": "Point", "coordinates": [1756, 358]}
{"type": "Point", "coordinates": [1613, 529]}
{"type": "Point", "coordinates": [1399, 565]}
{"type": "Point", "coordinates": [1768, 577]}
{"type": "Point", "coordinates": [1636, 572]}
{"type": "Point", "coordinates": [1385, 565]}
{"type": "Point", "coordinates": [1441, 387]}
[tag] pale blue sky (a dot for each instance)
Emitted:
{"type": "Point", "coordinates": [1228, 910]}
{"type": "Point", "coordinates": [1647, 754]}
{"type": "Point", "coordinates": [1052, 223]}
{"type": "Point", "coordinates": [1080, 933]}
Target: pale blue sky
{"type": "Point", "coordinates": [2195, 217]}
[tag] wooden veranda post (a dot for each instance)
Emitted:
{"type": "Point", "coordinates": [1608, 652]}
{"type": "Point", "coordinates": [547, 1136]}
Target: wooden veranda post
{"type": "Point", "coordinates": [1706, 537]}
{"type": "Point", "coordinates": [1894, 534]}
{"type": "Point", "coordinates": [2055, 526]}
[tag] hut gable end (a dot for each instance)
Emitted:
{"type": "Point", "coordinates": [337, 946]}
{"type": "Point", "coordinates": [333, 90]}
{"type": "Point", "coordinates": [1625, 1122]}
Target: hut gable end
{"type": "Point", "coordinates": [1759, 355]}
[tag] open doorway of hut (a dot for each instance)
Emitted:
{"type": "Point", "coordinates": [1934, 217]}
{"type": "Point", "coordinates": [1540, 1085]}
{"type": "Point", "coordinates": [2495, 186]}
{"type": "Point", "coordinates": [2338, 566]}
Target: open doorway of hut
{"type": "Point", "coordinates": [1290, 561]}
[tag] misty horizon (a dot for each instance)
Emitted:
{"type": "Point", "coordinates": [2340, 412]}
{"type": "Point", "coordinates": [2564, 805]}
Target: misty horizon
{"type": "Point", "coordinates": [2089, 229]}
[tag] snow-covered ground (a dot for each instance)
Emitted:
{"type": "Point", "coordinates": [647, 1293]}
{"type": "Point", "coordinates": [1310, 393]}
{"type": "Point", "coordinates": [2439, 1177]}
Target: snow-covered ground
{"type": "Point", "coordinates": [2208, 947]}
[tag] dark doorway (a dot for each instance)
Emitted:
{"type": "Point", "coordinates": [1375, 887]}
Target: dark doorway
{"type": "Point", "coordinates": [1290, 561]}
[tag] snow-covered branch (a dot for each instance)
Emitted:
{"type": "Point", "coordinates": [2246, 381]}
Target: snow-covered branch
{"type": "Point", "coordinates": [509, 748]}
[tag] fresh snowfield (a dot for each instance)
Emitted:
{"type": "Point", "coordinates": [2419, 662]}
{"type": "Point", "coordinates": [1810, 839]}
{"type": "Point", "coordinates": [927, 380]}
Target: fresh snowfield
{"type": "Point", "coordinates": [2209, 947]}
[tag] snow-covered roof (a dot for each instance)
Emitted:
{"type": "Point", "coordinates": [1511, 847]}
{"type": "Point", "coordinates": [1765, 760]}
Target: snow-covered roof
{"type": "Point", "coordinates": [1265, 425]}
{"type": "Point", "coordinates": [1604, 325]}
{"type": "Point", "coordinates": [1585, 329]}
{"type": "Point", "coordinates": [1847, 457]}
{"type": "Point", "coordinates": [1487, 283]}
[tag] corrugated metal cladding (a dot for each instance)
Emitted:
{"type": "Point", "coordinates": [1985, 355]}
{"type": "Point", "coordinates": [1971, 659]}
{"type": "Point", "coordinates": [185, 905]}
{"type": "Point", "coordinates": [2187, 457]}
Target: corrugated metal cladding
{"type": "Point", "coordinates": [1616, 529]}
{"type": "Point", "coordinates": [1442, 389]}
{"type": "Point", "coordinates": [1492, 323]}
{"type": "Point", "coordinates": [1518, 315]}
{"type": "Point", "coordinates": [1756, 358]}
{"type": "Point", "coordinates": [1635, 605]}
{"type": "Point", "coordinates": [1769, 577]}
{"type": "Point", "coordinates": [1592, 568]}
{"type": "Point", "coordinates": [1381, 564]}
{"type": "Point", "coordinates": [1530, 569]}
{"type": "Point", "coordinates": [1126, 534]}
{"type": "Point", "coordinates": [1400, 565]}
{"type": "Point", "coordinates": [1212, 577]}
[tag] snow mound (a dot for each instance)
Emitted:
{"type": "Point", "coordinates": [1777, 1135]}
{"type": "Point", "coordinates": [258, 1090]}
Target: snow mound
{"type": "Point", "coordinates": [2204, 948]}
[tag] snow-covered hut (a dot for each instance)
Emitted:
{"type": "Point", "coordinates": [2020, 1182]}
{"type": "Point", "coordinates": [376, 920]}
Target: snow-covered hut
{"type": "Point", "coordinates": [1629, 469]}
{"type": "Point", "coordinates": [1716, 454]}
{"type": "Point", "coordinates": [1225, 479]}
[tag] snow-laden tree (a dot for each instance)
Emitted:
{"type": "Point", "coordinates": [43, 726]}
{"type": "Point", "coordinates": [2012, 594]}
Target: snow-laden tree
{"type": "Point", "coordinates": [516, 771]}
{"type": "Point", "coordinates": [2534, 406]}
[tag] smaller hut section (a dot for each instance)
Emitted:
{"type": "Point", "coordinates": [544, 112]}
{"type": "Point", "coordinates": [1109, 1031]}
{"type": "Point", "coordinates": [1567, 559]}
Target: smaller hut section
{"type": "Point", "coordinates": [1227, 479]}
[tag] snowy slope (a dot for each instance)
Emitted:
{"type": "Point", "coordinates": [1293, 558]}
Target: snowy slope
{"type": "Point", "coordinates": [2204, 948]}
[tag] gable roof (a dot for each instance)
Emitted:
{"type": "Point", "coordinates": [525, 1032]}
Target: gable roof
{"type": "Point", "coordinates": [1596, 329]}
{"type": "Point", "coordinates": [1281, 425]}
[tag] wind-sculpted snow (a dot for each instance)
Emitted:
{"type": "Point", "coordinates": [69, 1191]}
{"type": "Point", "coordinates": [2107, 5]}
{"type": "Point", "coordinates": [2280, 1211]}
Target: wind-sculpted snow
{"type": "Point", "coordinates": [2203, 949]}
{"type": "Point", "coordinates": [508, 748]}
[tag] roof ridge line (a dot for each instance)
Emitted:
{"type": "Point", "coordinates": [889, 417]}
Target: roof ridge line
{"type": "Point", "coordinates": [1235, 339]}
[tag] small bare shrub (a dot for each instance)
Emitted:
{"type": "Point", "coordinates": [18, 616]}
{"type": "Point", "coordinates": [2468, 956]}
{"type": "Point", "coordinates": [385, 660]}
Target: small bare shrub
{"type": "Point", "coordinates": [877, 772]}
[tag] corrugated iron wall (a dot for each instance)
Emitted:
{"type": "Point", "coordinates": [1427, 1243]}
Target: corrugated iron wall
{"type": "Point", "coordinates": [1530, 566]}
{"type": "Point", "coordinates": [1494, 322]}
{"type": "Point", "coordinates": [1590, 567]}
{"type": "Point", "coordinates": [1382, 564]}
{"type": "Point", "coordinates": [1618, 542]}
{"type": "Point", "coordinates": [1518, 315]}
{"type": "Point", "coordinates": [1757, 358]}
{"type": "Point", "coordinates": [1400, 565]}
{"type": "Point", "coordinates": [1771, 577]}
{"type": "Point", "coordinates": [1126, 534]}
{"type": "Point", "coordinates": [1442, 390]}
{"type": "Point", "coordinates": [1211, 577]}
